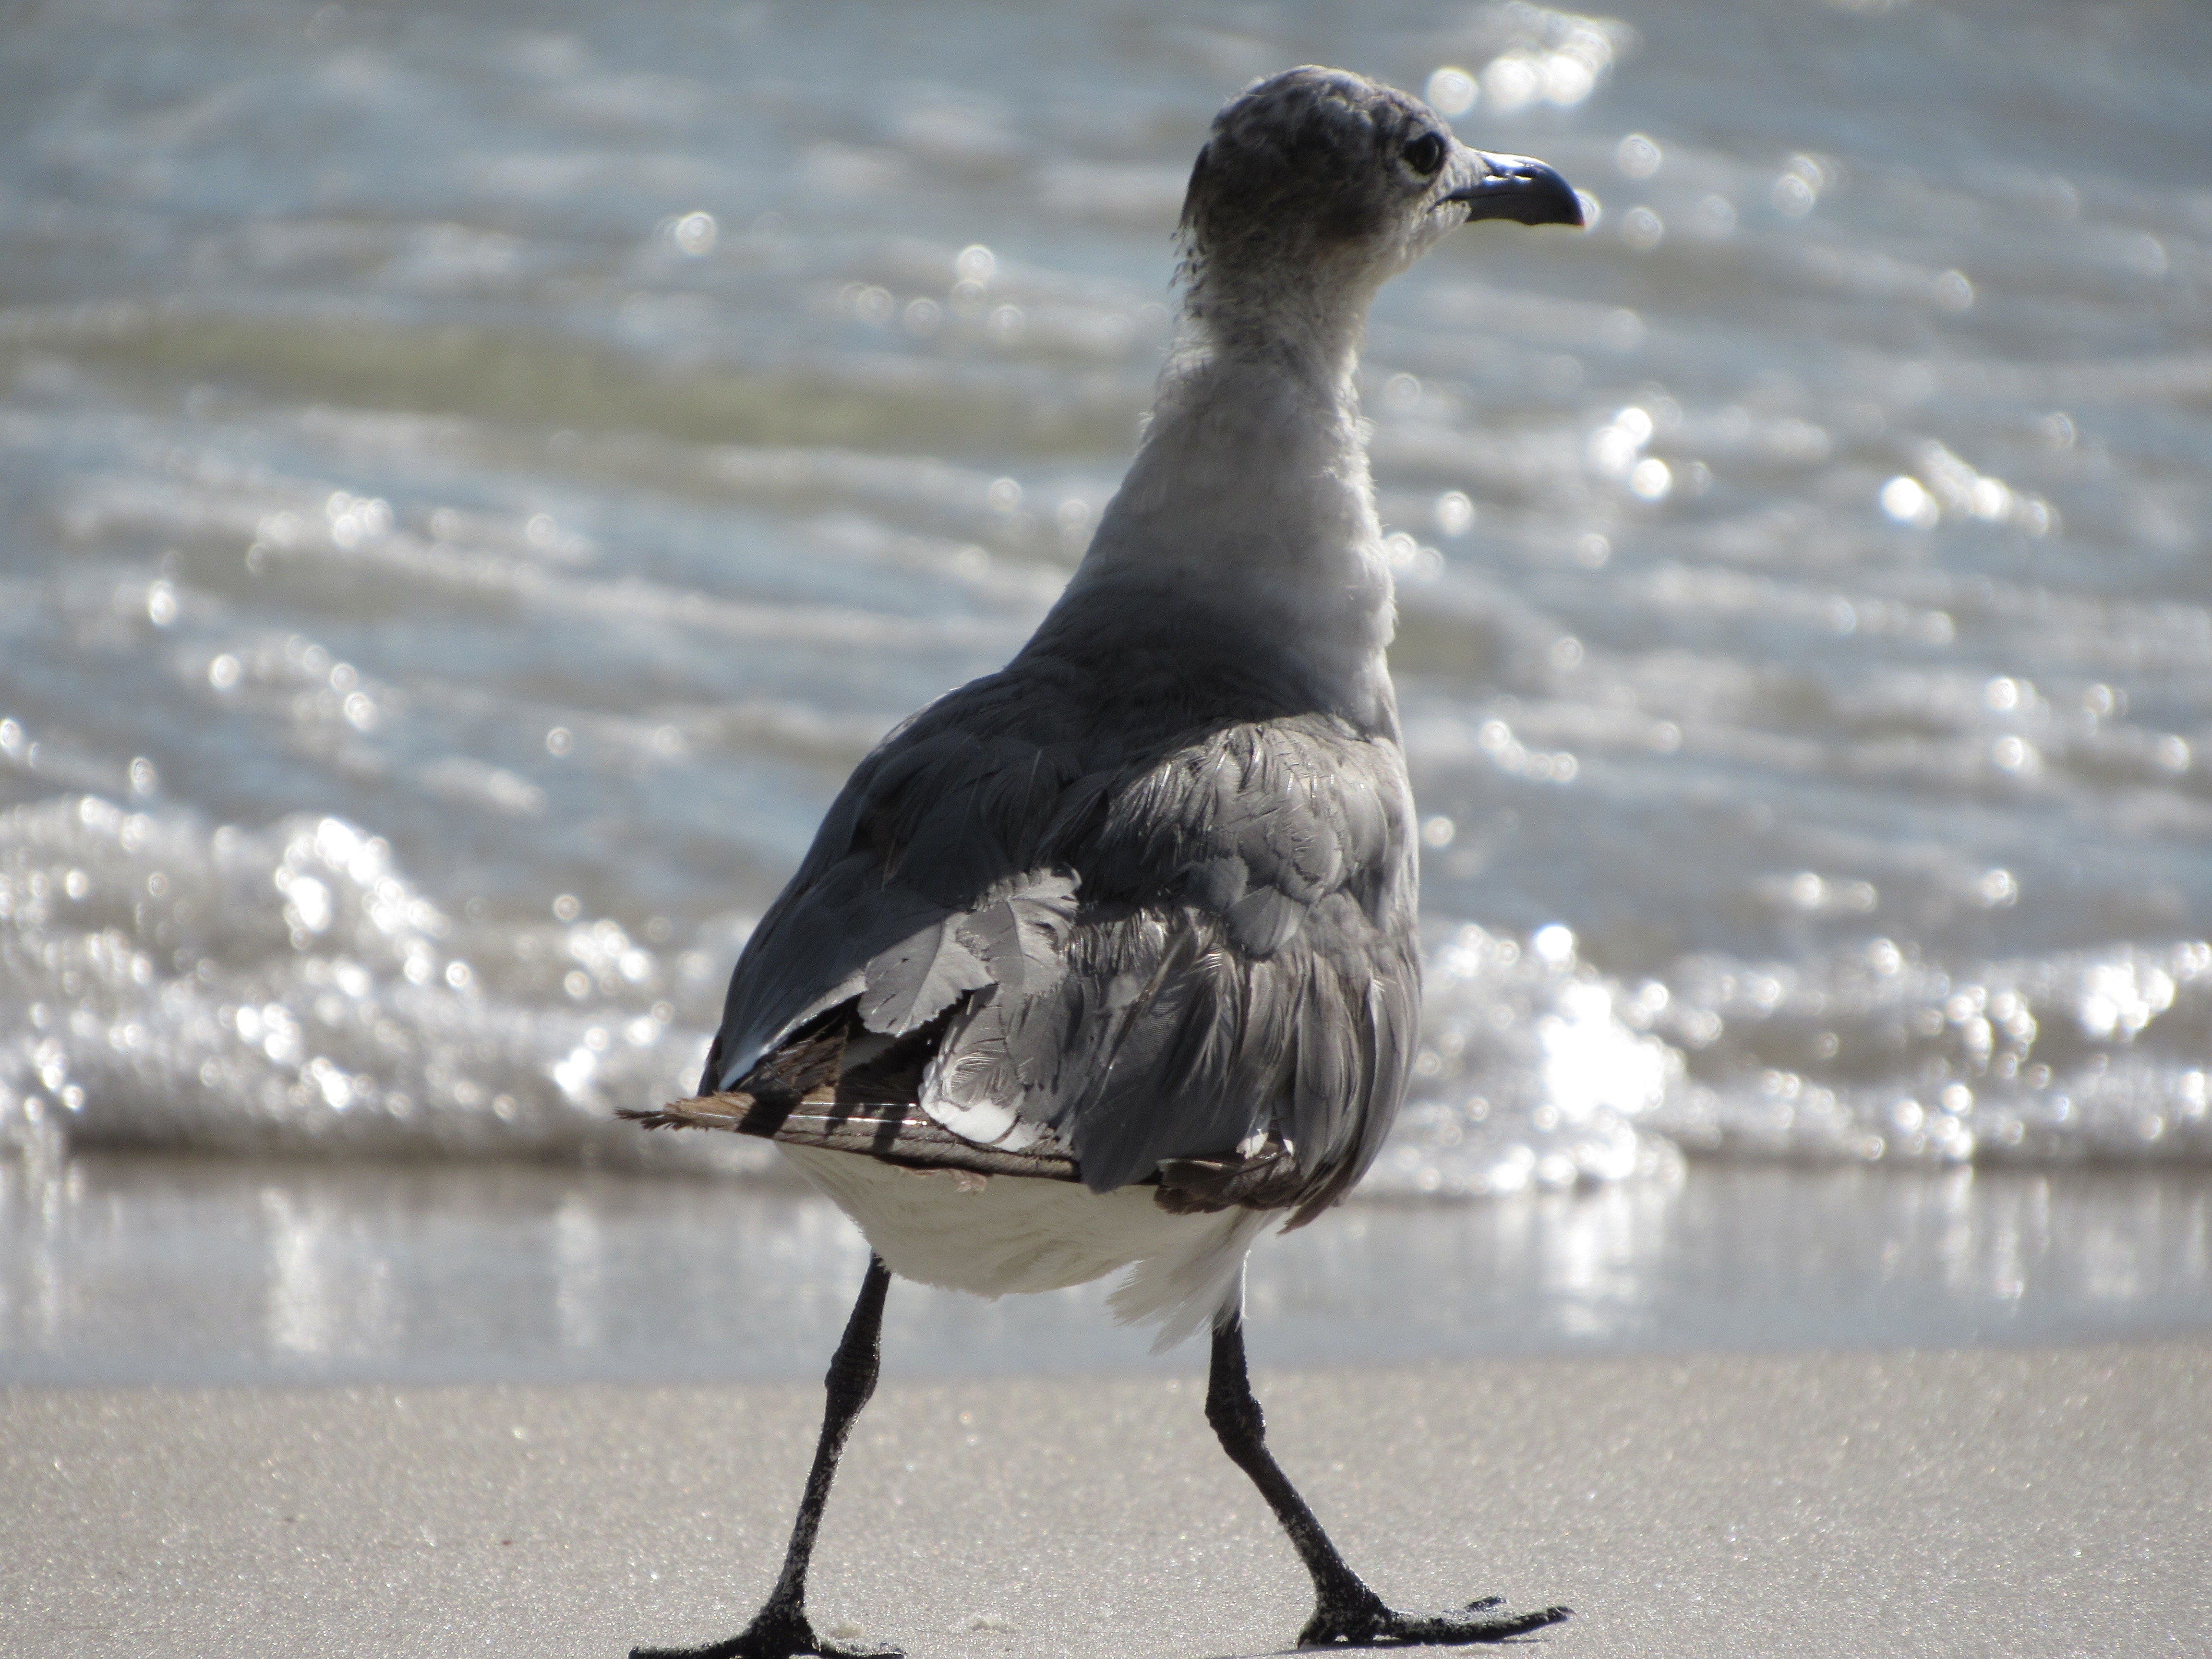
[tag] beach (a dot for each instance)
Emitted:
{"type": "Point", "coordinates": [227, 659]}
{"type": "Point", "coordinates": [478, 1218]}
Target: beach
{"type": "Point", "coordinates": [2013, 1502]}
{"type": "Point", "coordinates": [471, 488]}
{"type": "Point", "coordinates": [179, 1271]}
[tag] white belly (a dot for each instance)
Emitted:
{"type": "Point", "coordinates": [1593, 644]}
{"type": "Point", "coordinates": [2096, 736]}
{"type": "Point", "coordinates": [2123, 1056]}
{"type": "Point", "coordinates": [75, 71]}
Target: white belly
{"type": "Point", "coordinates": [995, 1235]}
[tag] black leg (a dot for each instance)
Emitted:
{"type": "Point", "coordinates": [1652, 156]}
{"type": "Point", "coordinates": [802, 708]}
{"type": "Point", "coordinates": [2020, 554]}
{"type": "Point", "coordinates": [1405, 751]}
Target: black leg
{"type": "Point", "coordinates": [780, 1629]}
{"type": "Point", "coordinates": [1345, 1609]}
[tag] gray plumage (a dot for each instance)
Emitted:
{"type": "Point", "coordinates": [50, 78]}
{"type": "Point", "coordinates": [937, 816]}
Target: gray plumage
{"type": "Point", "coordinates": [1145, 898]}
{"type": "Point", "coordinates": [1160, 917]}
{"type": "Point", "coordinates": [1137, 911]}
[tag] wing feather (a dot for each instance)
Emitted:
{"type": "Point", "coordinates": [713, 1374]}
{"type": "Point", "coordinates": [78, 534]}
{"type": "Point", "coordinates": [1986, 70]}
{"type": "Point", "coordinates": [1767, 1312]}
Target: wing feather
{"type": "Point", "coordinates": [1189, 948]}
{"type": "Point", "coordinates": [916, 980]}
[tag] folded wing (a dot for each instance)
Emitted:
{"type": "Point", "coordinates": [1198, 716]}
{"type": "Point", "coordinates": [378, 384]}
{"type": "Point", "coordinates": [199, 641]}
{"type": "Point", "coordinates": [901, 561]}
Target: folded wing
{"type": "Point", "coordinates": [1190, 959]}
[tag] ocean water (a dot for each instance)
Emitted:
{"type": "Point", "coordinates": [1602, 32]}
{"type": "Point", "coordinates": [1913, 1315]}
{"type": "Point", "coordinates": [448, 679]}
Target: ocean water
{"type": "Point", "coordinates": [471, 484]}
{"type": "Point", "coordinates": [179, 1269]}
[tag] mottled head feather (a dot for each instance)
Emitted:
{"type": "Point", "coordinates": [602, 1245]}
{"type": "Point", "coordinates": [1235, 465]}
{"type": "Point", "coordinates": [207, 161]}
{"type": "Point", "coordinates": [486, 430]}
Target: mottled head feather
{"type": "Point", "coordinates": [1312, 165]}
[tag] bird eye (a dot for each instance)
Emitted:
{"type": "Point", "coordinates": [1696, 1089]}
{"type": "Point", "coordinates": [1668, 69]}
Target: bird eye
{"type": "Point", "coordinates": [1425, 154]}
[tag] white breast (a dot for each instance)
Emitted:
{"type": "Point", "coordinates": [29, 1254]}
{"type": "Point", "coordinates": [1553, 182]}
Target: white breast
{"type": "Point", "coordinates": [997, 1235]}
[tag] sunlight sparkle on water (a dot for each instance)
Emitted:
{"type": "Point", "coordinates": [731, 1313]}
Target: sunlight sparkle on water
{"type": "Point", "coordinates": [1638, 156]}
{"type": "Point", "coordinates": [1452, 92]}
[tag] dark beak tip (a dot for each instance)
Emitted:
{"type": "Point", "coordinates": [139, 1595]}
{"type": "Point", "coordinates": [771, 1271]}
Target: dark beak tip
{"type": "Point", "coordinates": [1527, 195]}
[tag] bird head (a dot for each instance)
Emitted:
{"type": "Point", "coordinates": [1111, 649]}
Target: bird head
{"type": "Point", "coordinates": [1320, 176]}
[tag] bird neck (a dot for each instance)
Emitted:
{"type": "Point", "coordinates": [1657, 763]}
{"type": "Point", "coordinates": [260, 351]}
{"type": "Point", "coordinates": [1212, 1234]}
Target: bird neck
{"type": "Point", "coordinates": [1300, 317]}
{"type": "Point", "coordinates": [1251, 490]}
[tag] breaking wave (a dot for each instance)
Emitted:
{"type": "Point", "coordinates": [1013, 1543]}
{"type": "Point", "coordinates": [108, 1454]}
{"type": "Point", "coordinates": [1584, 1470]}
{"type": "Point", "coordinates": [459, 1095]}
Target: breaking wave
{"type": "Point", "coordinates": [289, 988]}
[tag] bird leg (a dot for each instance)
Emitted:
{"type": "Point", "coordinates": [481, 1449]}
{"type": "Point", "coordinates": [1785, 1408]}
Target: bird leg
{"type": "Point", "coordinates": [1345, 1609]}
{"type": "Point", "coordinates": [779, 1630]}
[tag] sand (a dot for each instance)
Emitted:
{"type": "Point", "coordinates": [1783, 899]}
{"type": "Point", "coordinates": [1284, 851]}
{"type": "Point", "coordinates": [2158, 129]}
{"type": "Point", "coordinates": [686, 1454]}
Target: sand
{"type": "Point", "coordinates": [1998, 1502]}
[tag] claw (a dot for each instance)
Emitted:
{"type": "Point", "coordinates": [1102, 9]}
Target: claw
{"type": "Point", "coordinates": [1373, 1623]}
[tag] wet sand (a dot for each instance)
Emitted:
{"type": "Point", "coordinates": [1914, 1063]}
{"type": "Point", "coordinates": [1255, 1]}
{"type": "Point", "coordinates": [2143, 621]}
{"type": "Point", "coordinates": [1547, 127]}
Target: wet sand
{"type": "Point", "coordinates": [179, 1271]}
{"type": "Point", "coordinates": [1993, 1501]}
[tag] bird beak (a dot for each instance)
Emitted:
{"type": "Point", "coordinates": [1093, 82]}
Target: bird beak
{"type": "Point", "coordinates": [1519, 188]}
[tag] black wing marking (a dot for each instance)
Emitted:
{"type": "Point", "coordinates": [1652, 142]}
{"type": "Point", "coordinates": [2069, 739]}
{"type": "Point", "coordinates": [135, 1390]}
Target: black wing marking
{"type": "Point", "coordinates": [805, 1094]}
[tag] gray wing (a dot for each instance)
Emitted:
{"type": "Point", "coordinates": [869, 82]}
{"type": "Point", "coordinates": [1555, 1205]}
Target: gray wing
{"type": "Point", "coordinates": [932, 828]}
{"type": "Point", "coordinates": [1191, 958]}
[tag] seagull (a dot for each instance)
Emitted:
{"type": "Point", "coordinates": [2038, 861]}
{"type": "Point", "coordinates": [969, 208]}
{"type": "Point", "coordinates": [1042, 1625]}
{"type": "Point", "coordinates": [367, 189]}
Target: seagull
{"type": "Point", "coordinates": [1107, 960]}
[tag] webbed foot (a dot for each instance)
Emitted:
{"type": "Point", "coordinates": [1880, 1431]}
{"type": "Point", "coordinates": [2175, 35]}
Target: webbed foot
{"type": "Point", "coordinates": [1362, 1619]}
{"type": "Point", "coordinates": [777, 1633]}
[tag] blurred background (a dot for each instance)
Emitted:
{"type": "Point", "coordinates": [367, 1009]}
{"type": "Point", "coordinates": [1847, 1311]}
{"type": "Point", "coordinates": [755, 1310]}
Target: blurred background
{"type": "Point", "coordinates": [472, 482]}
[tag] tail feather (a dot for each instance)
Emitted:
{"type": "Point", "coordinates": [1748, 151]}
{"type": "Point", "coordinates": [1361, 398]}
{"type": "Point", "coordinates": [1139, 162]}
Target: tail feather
{"type": "Point", "coordinates": [1183, 1291]}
